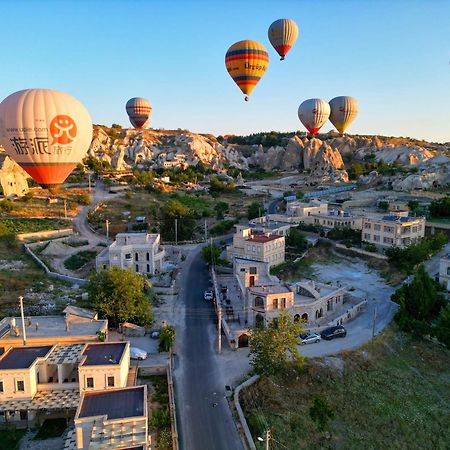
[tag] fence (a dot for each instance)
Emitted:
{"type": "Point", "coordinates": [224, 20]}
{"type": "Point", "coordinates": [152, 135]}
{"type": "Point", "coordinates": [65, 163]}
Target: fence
{"type": "Point", "coordinates": [51, 274]}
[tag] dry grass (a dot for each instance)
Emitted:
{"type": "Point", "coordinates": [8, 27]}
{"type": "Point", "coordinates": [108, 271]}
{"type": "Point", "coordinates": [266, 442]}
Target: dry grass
{"type": "Point", "coordinates": [395, 394]}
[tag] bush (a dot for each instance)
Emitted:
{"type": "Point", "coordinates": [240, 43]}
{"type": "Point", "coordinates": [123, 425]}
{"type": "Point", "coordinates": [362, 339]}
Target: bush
{"type": "Point", "coordinates": [222, 227]}
{"type": "Point", "coordinates": [370, 248]}
{"type": "Point", "coordinates": [254, 210]}
{"type": "Point", "coordinates": [440, 208]}
{"type": "Point", "coordinates": [347, 235]}
{"type": "Point", "coordinates": [167, 338]}
{"type": "Point", "coordinates": [160, 418]}
{"type": "Point", "coordinates": [78, 260]}
{"type": "Point", "coordinates": [7, 206]}
{"type": "Point", "coordinates": [83, 199]}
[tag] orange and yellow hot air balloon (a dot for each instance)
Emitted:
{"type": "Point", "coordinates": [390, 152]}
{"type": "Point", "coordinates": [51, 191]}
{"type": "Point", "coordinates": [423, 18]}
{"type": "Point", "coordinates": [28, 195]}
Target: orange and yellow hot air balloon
{"type": "Point", "coordinates": [46, 132]}
{"type": "Point", "coordinates": [282, 35]}
{"type": "Point", "coordinates": [246, 62]}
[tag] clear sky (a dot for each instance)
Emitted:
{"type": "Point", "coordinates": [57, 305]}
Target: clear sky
{"type": "Point", "coordinates": [393, 56]}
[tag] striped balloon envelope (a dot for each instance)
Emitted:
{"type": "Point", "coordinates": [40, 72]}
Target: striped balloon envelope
{"type": "Point", "coordinates": [282, 35]}
{"type": "Point", "coordinates": [46, 132]}
{"type": "Point", "coordinates": [246, 62]}
{"type": "Point", "coordinates": [139, 111]}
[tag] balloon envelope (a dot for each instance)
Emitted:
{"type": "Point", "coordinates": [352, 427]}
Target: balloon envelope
{"type": "Point", "coordinates": [46, 132]}
{"type": "Point", "coordinates": [282, 35]}
{"type": "Point", "coordinates": [343, 112]}
{"type": "Point", "coordinates": [139, 111]}
{"type": "Point", "coordinates": [246, 62]}
{"type": "Point", "coordinates": [313, 113]}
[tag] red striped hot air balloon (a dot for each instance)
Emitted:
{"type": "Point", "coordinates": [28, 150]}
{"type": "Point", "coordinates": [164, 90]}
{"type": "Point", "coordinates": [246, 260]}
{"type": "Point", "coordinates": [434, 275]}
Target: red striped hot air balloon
{"type": "Point", "coordinates": [313, 113]}
{"type": "Point", "coordinates": [46, 132]}
{"type": "Point", "coordinates": [139, 111]}
{"type": "Point", "coordinates": [282, 35]}
{"type": "Point", "coordinates": [246, 62]}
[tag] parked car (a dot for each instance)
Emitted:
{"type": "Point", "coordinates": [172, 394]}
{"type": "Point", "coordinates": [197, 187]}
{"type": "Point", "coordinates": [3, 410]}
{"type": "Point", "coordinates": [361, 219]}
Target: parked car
{"type": "Point", "coordinates": [208, 295]}
{"type": "Point", "coordinates": [309, 338]}
{"type": "Point", "coordinates": [333, 332]}
{"type": "Point", "coordinates": [137, 353]}
{"type": "Point", "coordinates": [155, 334]}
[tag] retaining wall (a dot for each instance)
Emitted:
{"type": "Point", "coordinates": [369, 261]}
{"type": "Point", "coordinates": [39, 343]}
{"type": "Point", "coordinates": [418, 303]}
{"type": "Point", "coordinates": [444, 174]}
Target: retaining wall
{"type": "Point", "coordinates": [51, 274]}
{"type": "Point", "coordinates": [45, 234]}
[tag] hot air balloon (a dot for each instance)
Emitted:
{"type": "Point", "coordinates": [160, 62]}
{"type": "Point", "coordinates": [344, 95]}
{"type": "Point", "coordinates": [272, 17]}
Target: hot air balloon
{"type": "Point", "coordinates": [246, 62]}
{"type": "Point", "coordinates": [282, 35]}
{"type": "Point", "coordinates": [313, 113]}
{"type": "Point", "coordinates": [46, 132]}
{"type": "Point", "coordinates": [343, 112]}
{"type": "Point", "coordinates": [139, 111]}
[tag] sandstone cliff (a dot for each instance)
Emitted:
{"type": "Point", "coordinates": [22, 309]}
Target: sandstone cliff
{"type": "Point", "coordinates": [13, 179]}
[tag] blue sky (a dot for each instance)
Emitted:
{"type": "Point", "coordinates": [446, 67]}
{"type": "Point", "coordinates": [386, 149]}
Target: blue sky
{"type": "Point", "coordinates": [393, 56]}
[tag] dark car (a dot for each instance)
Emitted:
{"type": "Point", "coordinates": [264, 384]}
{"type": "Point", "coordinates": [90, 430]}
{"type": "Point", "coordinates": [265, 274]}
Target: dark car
{"type": "Point", "coordinates": [333, 332]}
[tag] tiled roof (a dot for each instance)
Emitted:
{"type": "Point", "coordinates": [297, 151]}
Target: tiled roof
{"type": "Point", "coordinates": [66, 354]}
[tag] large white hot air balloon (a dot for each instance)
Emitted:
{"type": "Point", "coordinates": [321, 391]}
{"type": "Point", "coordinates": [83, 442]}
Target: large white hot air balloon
{"type": "Point", "coordinates": [313, 113]}
{"type": "Point", "coordinates": [282, 35]}
{"type": "Point", "coordinates": [343, 112]}
{"type": "Point", "coordinates": [46, 132]}
{"type": "Point", "coordinates": [139, 111]}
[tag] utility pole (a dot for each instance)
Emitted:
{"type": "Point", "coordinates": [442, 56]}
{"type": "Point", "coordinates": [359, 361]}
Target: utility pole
{"type": "Point", "coordinates": [89, 178]}
{"type": "Point", "coordinates": [374, 318]}
{"type": "Point", "coordinates": [266, 439]}
{"type": "Point", "coordinates": [176, 231]}
{"type": "Point", "coordinates": [107, 230]}
{"type": "Point", "coordinates": [23, 321]}
{"type": "Point", "coordinates": [65, 209]}
{"type": "Point", "coordinates": [219, 327]}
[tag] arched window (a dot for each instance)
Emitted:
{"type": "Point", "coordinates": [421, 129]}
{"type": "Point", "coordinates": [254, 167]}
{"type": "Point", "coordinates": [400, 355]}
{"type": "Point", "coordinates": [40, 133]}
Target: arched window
{"type": "Point", "coordinates": [259, 302]}
{"type": "Point", "coordinates": [305, 317]}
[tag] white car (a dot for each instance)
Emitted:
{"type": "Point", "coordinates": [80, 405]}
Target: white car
{"type": "Point", "coordinates": [137, 353]}
{"type": "Point", "coordinates": [208, 295]}
{"type": "Point", "coordinates": [310, 338]}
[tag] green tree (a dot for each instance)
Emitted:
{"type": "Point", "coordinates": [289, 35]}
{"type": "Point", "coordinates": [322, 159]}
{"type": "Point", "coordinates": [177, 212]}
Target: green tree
{"type": "Point", "coordinates": [320, 412]}
{"type": "Point", "coordinates": [221, 209]}
{"type": "Point", "coordinates": [442, 330]}
{"type": "Point", "coordinates": [167, 338]}
{"type": "Point", "coordinates": [413, 205]}
{"type": "Point", "coordinates": [120, 296]}
{"type": "Point", "coordinates": [296, 240]}
{"type": "Point", "coordinates": [274, 348]}
{"type": "Point", "coordinates": [440, 208]}
{"type": "Point", "coordinates": [419, 303]}
{"type": "Point", "coordinates": [355, 171]}
{"type": "Point", "coordinates": [254, 210]}
{"type": "Point", "coordinates": [211, 254]}
{"type": "Point", "coordinates": [384, 206]}
{"type": "Point", "coordinates": [185, 224]}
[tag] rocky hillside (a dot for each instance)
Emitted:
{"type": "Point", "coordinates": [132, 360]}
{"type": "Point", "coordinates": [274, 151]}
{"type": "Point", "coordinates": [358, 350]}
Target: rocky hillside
{"type": "Point", "coordinates": [321, 158]}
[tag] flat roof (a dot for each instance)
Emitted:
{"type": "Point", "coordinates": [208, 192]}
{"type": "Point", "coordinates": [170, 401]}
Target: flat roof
{"type": "Point", "coordinates": [23, 357]}
{"type": "Point", "coordinates": [273, 289]}
{"type": "Point", "coordinates": [52, 326]}
{"type": "Point", "coordinates": [263, 238]}
{"type": "Point", "coordinates": [114, 403]}
{"type": "Point", "coordinates": [103, 353]}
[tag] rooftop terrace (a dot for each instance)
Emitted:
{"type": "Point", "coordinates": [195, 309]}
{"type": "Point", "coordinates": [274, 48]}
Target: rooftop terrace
{"type": "Point", "coordinates": [114, 403]}
{"type": "Point", "coordinates": [23, 357]}
{"type": "Point", "coordinates": [104, 353]}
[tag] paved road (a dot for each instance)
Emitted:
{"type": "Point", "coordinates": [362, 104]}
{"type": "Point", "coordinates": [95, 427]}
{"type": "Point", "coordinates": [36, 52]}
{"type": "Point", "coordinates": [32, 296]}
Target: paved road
{"type": "Point", "coordinates": [204, 418]}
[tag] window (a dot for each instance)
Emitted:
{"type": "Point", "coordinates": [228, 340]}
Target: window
{"type": "Point", "coordinates": [137, 267]}
{"type": "Point", "coordinates": [242, 269]}
{"type": "Point", "coordinates": [448, 270]}
{"type": "Point", "coordinates": [89, 382]}
{"type": "Point", "coordinates": [388, 240]}
{"type": "Point", "coordinates": [376, 238]}
{"type": "Point", "coordinates": [20, 386]}
{"type": "Point", "coordinates": [148, 256]}
{"type": "Point", "coordinates": [253, 271]}
{"type": "Point", "coordinates": [377, 227]}
{"type": "Point", "coordinates": [366, 236]}
{"type": "Point", "coordinates": [110, 381]}
{"type": "Point", "coordinates": [283, 303]}
{"type": "Point", "coordinates": [148, 268]}
{"type": "Point", "coordinates": [1, 386]}
{"type": "Point", "coordinates": [388, 229]}
{"type": "Point", "coordinates": [259, 302]}
{"type": "Point", "coordinates": [367, 226]}
{"type": "Point", "coordinates": [136, 256]}
{"type": "Point", "coordinates": [275, 303]}
{"type": "Point", "coordinates": [128, 256]}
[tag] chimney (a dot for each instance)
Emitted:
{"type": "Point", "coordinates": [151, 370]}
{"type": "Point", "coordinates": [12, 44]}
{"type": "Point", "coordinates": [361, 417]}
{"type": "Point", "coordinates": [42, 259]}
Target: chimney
{"type": "Point", "coordinates": [12, 326]}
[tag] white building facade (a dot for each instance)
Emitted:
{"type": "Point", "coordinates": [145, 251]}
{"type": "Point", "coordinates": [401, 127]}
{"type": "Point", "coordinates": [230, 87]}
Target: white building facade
{"type": "Point", "coordinates": [141, 252]}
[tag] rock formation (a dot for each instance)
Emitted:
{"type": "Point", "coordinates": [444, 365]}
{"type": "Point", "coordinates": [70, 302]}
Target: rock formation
{"type": "Point", "coordinates": [13, 179]}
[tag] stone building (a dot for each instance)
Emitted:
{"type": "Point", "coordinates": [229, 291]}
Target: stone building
{"type": "Point", "coordinates": [393, 230]}
{"type": "Point", "coordinates": [140, 251]}
{"type": "Point", "coordinates": [444, 271]}
{"type": "Point", "coordinates": [249, 244]}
